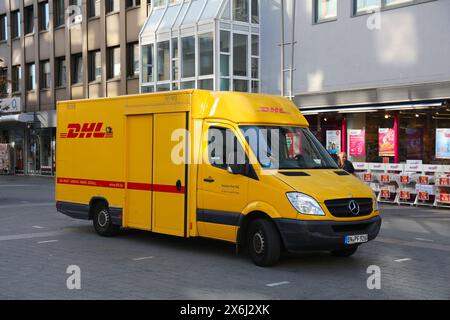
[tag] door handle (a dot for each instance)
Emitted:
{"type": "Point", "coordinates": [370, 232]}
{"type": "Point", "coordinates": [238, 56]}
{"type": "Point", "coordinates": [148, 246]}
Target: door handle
{"type": "Point", "coordinates": [209, 180]}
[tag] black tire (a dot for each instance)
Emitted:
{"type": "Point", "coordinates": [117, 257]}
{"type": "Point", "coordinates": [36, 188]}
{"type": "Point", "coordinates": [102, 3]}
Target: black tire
{"type": "Point", "coordinates": [263, 243]}
{"type": "Point", "coordinates": [345, 253]}
{"type": "Point", "coordinates": [102, 221]}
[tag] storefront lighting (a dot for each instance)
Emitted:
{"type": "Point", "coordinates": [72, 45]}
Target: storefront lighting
{"type": "Point", "coordinates": [386, 116]}
{"type": "Point", "coordinates": [417, 115]}
{"type": "Point", "coordinates": [418, 106]}
{"type": "Point", "coordinates": [12, 144]}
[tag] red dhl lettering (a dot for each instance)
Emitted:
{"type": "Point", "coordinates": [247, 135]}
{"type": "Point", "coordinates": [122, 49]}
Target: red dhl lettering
{"type": "Point", "coordinates": [273, 110]}
{"type": "Point", "coordinates": [85, 131]}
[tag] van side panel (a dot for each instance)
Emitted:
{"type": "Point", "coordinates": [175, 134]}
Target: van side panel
{"type": "Point", "coordinates": [139, 168]}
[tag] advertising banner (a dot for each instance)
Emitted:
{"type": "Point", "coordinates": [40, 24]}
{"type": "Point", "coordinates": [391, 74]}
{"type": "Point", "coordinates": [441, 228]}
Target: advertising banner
{"type": "Point", "coordinates": [4, 158]}
{"type": "Point", "coordinates": [386, 142]}
{"type": "Point", "coordinates": [334, 141]}
{"type": "Point", "coordinates": [443, 143]}
{"type": "Point", "coordinates": [357, 142]}
{"type": "Point", "coordinates": [414, 146]}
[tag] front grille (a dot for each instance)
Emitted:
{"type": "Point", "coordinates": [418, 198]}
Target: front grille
{"type": "Point", "coordinates": [340, 208]}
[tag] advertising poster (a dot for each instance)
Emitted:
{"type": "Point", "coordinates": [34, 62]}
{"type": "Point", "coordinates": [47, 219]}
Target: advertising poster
{"type": "Point", "coordinates": [334, 141]}
{"type": "Point", "coordinates": [357, 142]}
{"type": "Point", "coordinates": [4, 157]}
{"type": "Point", "coordinates": [414, 144]}
{"type": "Point", "coordinates": [443, 143]}
{"type": "Point", "coordinates": [386, 142]}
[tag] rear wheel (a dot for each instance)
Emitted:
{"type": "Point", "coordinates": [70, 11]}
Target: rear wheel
{"type": "Point", "coordinates": [344, 253]}
{"type": "Point", "coordinates": [263, 242]}
{"type": "Point", "coordinates": [103, 223]}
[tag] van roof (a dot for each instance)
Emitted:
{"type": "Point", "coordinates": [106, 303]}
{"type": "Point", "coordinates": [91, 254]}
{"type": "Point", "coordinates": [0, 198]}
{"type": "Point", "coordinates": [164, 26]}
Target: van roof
{"type": "Point", "coordinates": [237, 107]}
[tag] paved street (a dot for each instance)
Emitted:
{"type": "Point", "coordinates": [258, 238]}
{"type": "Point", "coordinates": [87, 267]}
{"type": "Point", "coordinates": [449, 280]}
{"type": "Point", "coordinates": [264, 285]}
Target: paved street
{"type": "Point", "coordinates": [37, 244]}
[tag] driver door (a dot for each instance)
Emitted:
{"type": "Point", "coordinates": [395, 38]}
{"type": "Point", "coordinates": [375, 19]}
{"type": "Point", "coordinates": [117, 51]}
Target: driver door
{"type": "Point", "coordinates": [222, 195]}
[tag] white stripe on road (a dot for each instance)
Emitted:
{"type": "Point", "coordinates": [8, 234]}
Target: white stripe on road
{"type": "Point", "coordinates": [424, 240]}
{"type": "Point", "coordinates": [16, 185]}
{"type": "Point", "coordinates": [38, 227]}
{"type": "Point", "coordinates": [403, 260]}
{"type": "Point", "coordinates": [49, 241]}
{"type": "Point", "coordinates": [143, 258]}
{"type": "Point", "coordinates": [276, 284]}
{"type": "Point", "coordinates": [415, 244]}
{"type": "Point", "coordinates": [39, 204]}
{"type": "Point", "coordinates": [31, 235]}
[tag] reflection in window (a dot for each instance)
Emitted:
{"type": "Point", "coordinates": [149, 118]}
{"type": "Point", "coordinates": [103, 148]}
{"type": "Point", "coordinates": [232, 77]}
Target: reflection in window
{"type": "Point", "coordinates": [240, 10]}
{"type": "Point", "coordinates": [255, 11]}
{"type": "Point", "coordinates": [240, 85]}
{"type": "Point", "coordinates": [240, 54]}
{"type": "Point", "coordinates": [188, 56]}
{"type": "Point", "coordinates": [163, 60]}
{"type": "Point", "coordinates": [326, 9]}
{"type": "Point", "coordinates": [147, 63]}
{"type": "Point", "coordinates": [206, 53]}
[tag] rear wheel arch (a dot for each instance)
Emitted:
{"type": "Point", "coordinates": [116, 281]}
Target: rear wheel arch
{"type": "Point", "coordinates": [95, 201]}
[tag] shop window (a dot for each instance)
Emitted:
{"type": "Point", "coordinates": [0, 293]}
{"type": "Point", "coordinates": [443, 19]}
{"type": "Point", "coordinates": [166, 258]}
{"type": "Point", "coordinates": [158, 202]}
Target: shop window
{"type": "Point", "coordinates": [188, 56]}
{"type": "Point", "coordinates": [163, 49]}
{"type": "Point", "coordinates": [147, 63]}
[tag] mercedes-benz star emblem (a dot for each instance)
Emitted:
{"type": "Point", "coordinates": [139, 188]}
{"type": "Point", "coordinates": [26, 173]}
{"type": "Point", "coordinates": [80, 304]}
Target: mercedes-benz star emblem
{"type": "Point", "coordinates": [354, 207]}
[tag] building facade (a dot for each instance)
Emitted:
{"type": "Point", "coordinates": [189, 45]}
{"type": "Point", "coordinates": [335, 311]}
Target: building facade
{"type": "Point", "coordinates": [372, 74]}
{"type": "Point", "coordinates": [55, 50]}
{"type": "Point", "coordinates": [203, 44]}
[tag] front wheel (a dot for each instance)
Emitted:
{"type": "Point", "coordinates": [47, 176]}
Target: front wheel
{"type": "Point", "coordinates": [263, 242]}
{"type": "Point", "coordinates": [344, 253]}
{"type": "Point", "coordinates": [103, 223]}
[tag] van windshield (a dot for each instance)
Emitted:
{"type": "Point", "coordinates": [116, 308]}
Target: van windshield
{"type": "Point", "coordinates": [287, 148]}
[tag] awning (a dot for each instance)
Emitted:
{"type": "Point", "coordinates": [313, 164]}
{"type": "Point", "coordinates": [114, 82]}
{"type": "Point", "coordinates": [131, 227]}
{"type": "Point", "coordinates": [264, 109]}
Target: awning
{"type": "Point", "coordinates": [23, 117]}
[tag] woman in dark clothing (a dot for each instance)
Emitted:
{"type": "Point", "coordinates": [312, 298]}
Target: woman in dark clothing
{"type": "Point", "coordinates": [345, 164]}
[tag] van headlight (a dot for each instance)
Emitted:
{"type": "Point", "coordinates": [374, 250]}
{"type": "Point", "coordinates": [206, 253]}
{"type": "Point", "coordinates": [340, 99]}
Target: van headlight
{"type": "Point", "coordinates": [305, 204]}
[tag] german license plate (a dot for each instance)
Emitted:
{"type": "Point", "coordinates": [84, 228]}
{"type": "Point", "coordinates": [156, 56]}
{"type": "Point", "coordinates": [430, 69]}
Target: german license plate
{"type": "Point", "coordinates": [362, 238]}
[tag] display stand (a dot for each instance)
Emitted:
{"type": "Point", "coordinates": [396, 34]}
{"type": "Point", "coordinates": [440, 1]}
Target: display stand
{"type": "Point", "coordinates": [388, 183]}
{"type": "Point", "coordinates": [407, 181]}
{"type": "Point", "coordinates": [425, 187]}
{"type": "Point", "coordinates": [362, 172]}
{"type": "Point", "coordinates": [442, 188]}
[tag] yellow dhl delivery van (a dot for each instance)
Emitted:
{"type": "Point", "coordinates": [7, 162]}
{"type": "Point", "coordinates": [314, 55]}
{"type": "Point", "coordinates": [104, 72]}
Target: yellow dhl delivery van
{"type": "Point", "coordinates": [238, 167]}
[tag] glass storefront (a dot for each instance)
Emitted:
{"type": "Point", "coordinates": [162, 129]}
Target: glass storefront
{"type": "Point", "coordinates": [371, 137]}
{"type": "Point", "coordinates": [41, 151]}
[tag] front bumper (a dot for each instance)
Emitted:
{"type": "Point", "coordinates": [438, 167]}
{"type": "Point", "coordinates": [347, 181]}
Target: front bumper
{"type": "Point", "coordinates": [301, 235]}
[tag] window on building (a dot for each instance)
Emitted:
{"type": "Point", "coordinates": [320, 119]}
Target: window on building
{"type": "Point", "coordinates": [240, 54]}
{"type": "Point", "coordinates": [175, 61]}
{"type": "Point", "coordinates": [255, 11]}
{"type": "Point", "coordinates": [113, 62]}
{"type": "Point", "coordinates": [133, 59]}
{"type": "Point", "coordinates": [44, 16]}
{"type": "Point", "coordinates": [325, 10]}
{"type": "Point", "coordinates": [364, 6]}
{"type": "Point", "coordinates": [16, 79]}
{"type": "Point", "coordinates": [206, 48]}
{"type": "Point", "coordinates": [15, 24]}
{"type": "Point", "coordinates": [132, 3]}
{"type": "Point", "coordinates": [163, 51]}
{"type": "Point", "coordinates": [188, 56]}
{"type": "Point", "coordinates": [3, 82]}
{"type": "Point", "coordinates": [58, 12]}
{"type": "Point", "coordinates": [95, 66]}
{"type": "Point", "coordinates": [29, 19]}
{"type": "Point", "coordinates": [93, 8]}
{"type": "Point", "coordinates": [77, 68]}
{"type": "Point", "coordinates": [241, 10]}
{"type": "Point", "coordinates": [60, 72]}
{"type": "Point", "coordinates": [112, 6]}
{"type": "Point", "coordinates": [3, 28]}
{"type": "Point", "coordinates": [255, 63]}
{"type": "Point", "coordinates": [45, 74]}
{"type": "Point", "coordinates": [225, 55]}
{"type": "Point", "coordinates": [147, 63]}
{"type": "Point", "coordinates": [30, 74]}
{"type": "Point", "coordinates": [240, 85]}
{"type": "Point", "coordinates": [159, 3]}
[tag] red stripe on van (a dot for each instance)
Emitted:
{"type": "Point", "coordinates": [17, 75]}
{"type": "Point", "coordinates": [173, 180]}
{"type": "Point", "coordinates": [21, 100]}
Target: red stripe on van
{"type": "Point", "coordinates": [121, 185]}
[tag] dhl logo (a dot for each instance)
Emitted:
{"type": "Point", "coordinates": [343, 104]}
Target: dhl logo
{"type": "Point", "coordinates": [273, 110]}
{"type": "Point", "coordinates": [86, 130]}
